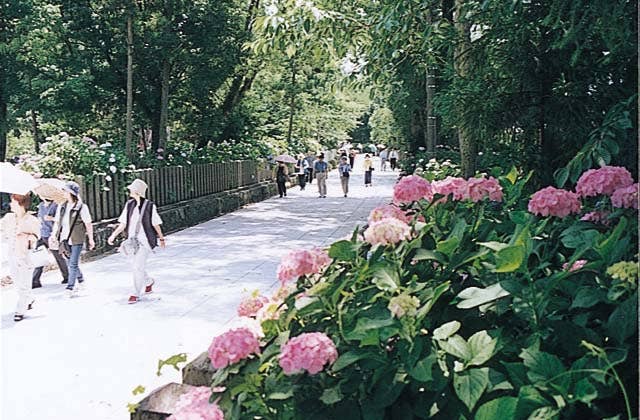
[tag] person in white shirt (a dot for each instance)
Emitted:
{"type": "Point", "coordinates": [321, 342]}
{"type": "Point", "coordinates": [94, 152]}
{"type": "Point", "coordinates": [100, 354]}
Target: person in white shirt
{"type": "Point", "coordinates": [72, 225]}
{"type": "Point", "coordinates": [393, 159]}
{"type": "Point", "coordinates": [141, 220]}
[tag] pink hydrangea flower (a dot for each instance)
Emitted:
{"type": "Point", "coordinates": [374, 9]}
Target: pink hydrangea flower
{"type": "Point", "coordinates": [249, 307]}
{"type": "Point", "coordinates": [388, 210]}
{"type": "Point", "coordinates": [597, 217]}
{"type": "Point", "coordinates": [575, 266]}
{"type": "Point", "coordinates": [308, 351]}
{"type": "Point", "coordinates": [603, 180]}
{"type": "Point", "coordinates": [194, 405]}
{"type": "Point", "coordinates": [626, 197]}
{"type": "Point", "coordinates": [302, 262]}
{"type": "Point", "coordinates": [480, 188]}
{"type": "Point", "coordinates": [451, 185]}
{"type": "Point", "coordinates": [387, 231]}
{"type": "Point", "coordinates": [552, 201]}
{"type": "Point", "coordinates": [233, 346]}
{"type": "Point", "coordinates": [412, 188]}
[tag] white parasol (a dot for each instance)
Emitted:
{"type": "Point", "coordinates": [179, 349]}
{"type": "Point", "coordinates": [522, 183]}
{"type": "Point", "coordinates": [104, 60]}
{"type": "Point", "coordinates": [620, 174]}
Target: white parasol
{"type": "Point", "coordinates": [14, 180]}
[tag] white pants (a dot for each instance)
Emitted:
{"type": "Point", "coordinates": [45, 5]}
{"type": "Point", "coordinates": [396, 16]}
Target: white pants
{"type": "Point", "coordinates": [140, 276]}
{"type": "Point", "coordinates": [22, 280]}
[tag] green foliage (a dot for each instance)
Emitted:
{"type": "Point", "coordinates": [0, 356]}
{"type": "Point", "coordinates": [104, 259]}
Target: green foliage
{"type": "Point", "coordinates": [500, 329]}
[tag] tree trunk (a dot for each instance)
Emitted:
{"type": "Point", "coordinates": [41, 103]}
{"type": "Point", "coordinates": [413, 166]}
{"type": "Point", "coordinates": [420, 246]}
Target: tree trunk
{"type": "Point", "coordinates": [129, 119]}
{"type": "Point", "coordinates": [164, 104]}
{"type": "Point", "coordinates": [35, 130]}
{"type": "Point", "coordinates": [468, 144]}
{"type": "Point", "coordinates": [431, 132]}
{"type": "Point", "coordinates": [292, 101]}
{"type": "Point", "coordinates": [3, 121]}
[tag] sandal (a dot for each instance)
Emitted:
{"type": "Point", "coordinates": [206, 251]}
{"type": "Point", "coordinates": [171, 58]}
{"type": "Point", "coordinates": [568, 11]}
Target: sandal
{"type": "Point", "coordinates": [18, 317]}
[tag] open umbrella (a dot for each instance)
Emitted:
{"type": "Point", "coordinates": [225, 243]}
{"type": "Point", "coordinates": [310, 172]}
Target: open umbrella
{"type": "Point", "coordinates": [14, 180]}
{"type": "Point", "coordinates": [50, 189]}
{"type": "Point", "coordinates": [286, 159]}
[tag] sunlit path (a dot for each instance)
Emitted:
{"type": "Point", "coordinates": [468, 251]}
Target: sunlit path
{"type": "Point", "coordinates": [80, 358]}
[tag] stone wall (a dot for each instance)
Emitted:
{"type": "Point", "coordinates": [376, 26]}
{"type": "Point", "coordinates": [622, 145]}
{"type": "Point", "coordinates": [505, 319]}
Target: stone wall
{"type": "Point", "coordinates": [184, 214]}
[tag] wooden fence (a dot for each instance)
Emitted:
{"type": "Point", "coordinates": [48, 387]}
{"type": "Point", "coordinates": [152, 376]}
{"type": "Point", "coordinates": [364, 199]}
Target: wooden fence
{"type": "Point", "coordinates": [169, 185]}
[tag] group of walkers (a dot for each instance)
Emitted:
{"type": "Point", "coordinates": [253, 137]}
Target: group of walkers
{"type": "Point", "coordinates": [63, 228]}
{"type": "Point", "coordinates": [308, 168]}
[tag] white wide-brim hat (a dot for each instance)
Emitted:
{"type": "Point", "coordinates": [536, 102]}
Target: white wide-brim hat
{"type": "Point", "coordinates": [139, 187]}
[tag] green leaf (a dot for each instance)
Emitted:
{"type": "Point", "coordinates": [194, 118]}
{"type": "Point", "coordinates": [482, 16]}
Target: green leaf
{"type": "Point", "coordinates": [494, 246]}
{"type": "Point", "coordinates": [544, 413]}
{"type": "Point", "coordinates": [500, 408]}
{"type": "Point", "coordinates": [426, 254]}
{"type": "Point", "coordinates": [482, 347]}
{"type": "Point", "coordinates": [623, 322]}
{"type": "Point", "coordinates": [448, 246]}
{"type": "Point", "coordinates": [437, 292]}
{"type": "Point", "coordinates": [474, 296]}
{"type": "Point", "coordinates": [512, 176]}
{"type": "Point", "coordinates": [509, 259]}
{"type": "Point", "coordinates": [585, 391]}
{"type": "Point", "coordinates": [331, 395]}
{"type": "Point", "coordinates": [386, 278]}
{"type": "Point", "coordinates": [349, 358]}
{"type": "Point", "coordinates": [172, 361]}
{"type": "Point", "coordinates": [542, 366]}
{"type": "Point", "coordinates": [456, 346]}
{"type": "Point", "coordinates": [422, 370]}
{"type": "Point", "coordinates": [470, 385]}
{"type": "Point", "coordinates": [366, 325]}
{"type": "Point", "coordinates": [587, 297]}
{"type": "Point", "coordinates": [561, 176]}
{"type": "Point", "coordinates": [342, 251]}
{"type": "Point", "coordinates": [280, 395]}
{"type": "Point", "coordinates": [446, 330]}
{"type": "Point", "coordinates": [138, 390]}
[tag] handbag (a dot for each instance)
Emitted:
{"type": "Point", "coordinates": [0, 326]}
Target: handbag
{"type": "Point", "coordinates": [39, 257]}
{"type": "Point", "coordinates": [131, 245]}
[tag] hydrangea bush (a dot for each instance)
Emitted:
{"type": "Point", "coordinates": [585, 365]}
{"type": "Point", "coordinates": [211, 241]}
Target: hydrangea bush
{"type": "Point", "coordinates": [464, 299]}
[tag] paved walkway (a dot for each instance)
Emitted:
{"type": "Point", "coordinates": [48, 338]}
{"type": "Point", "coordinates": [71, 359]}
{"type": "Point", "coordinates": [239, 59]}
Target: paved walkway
{"type": "Point", "coordinates": [80, 358]}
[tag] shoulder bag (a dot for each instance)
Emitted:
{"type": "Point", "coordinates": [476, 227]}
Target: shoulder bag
{"type": "Point", "coordinates": [131, 245]}
{"type": "Point", "coordinates": [65, 248]}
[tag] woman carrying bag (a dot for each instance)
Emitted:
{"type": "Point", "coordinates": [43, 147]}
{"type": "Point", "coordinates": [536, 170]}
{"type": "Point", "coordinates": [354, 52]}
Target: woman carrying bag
{"type": "Point", "coordinates": [142, 222]}
{"type": "Point", "coordinates": [19, 233]}
{"type": "Point", "coordinates": [72, 223]}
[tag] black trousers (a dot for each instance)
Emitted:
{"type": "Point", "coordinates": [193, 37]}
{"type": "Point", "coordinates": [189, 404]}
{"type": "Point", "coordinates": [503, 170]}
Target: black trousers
{"type": "Point", "coordinates": [302, 180]}
{"type": "Point", "coordinates": [310, 176]}
{"type": "Point", "coordinates": [282, 188]}
{"type": "Point", "coordinates": [367, 177]}
{"type": "Point", "coordinates": [60, 260]}
{"type": "Point", "coordinates": [393, 162]}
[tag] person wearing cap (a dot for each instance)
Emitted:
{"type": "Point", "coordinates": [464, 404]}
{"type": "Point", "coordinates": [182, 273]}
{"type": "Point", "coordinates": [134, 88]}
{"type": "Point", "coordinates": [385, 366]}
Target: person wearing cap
{"type": "Point", "coordinates": [72, 224]}
{"type": "Point", "coordinates": [141, 221]}
{"type": "Point", "coordinates": [320, 168]}
{"type": "Point", "coordinates": [343, 169]}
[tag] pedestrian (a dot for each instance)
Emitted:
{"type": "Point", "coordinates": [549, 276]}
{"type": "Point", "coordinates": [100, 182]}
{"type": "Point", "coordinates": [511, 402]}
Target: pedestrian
{"type": "Point", "coordinates": [142, 222]}
{"type": "Point", "coordinates": [46, 216]}
{"type": "Point", "coordinates": [72, 224]}
{"type": "Point", "coordinates": [320, 168]}
{"type": "Point", "coordinates": [368, 168]}
{"type": "Point", "coordinates": [393, 159]}
{"type": "Point", "coordinates": [343, 169]}
{"type": "Point", "coordinates": [282, 176]}
{"type": "Point", "coordinates": [310, 161]}
{"type": "Point", "coordinates": [20, 232]}
{"type": "Point", "coordinates": [352, 156]}
{"type": "Point", "coordinates": [301, 170]}
{"type": "Point", "coordinates": [383, 159]}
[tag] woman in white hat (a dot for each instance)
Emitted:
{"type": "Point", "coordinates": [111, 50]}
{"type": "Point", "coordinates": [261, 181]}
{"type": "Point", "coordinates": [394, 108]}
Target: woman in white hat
{"type": "Point", "coordinates": [72, 224]}
{"type": "Point", "coordinates": [142, 222]}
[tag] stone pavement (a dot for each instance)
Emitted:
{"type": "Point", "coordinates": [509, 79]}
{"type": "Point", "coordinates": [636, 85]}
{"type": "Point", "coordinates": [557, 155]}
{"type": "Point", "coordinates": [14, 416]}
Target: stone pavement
{"type": "Point", "coordinates": [80, 358]}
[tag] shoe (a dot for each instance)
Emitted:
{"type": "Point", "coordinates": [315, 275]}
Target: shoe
{"type": "Point", "coordinates": [18, 317]}
{"type": "Point", "coordinates": [80, 287]}
{"type": "Point", "coordinates": [36, 285]}
{"type": "Point", "coordinates": [30, 306]}
{"type": "Point", "coordinates": [149, 288]}
{"type": "Point", "coordinates": [133, 299]}
{"type": "Point", "coordinates": [70, 293]}
{"type": "Point", "coordinates": [345, 195]}
{"type": "Point", "coordinates": [65, 281]}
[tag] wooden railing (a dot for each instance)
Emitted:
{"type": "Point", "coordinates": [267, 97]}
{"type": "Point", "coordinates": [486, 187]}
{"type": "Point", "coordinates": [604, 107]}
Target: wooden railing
{"type": "Point", "coordinates": [169, 185]}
